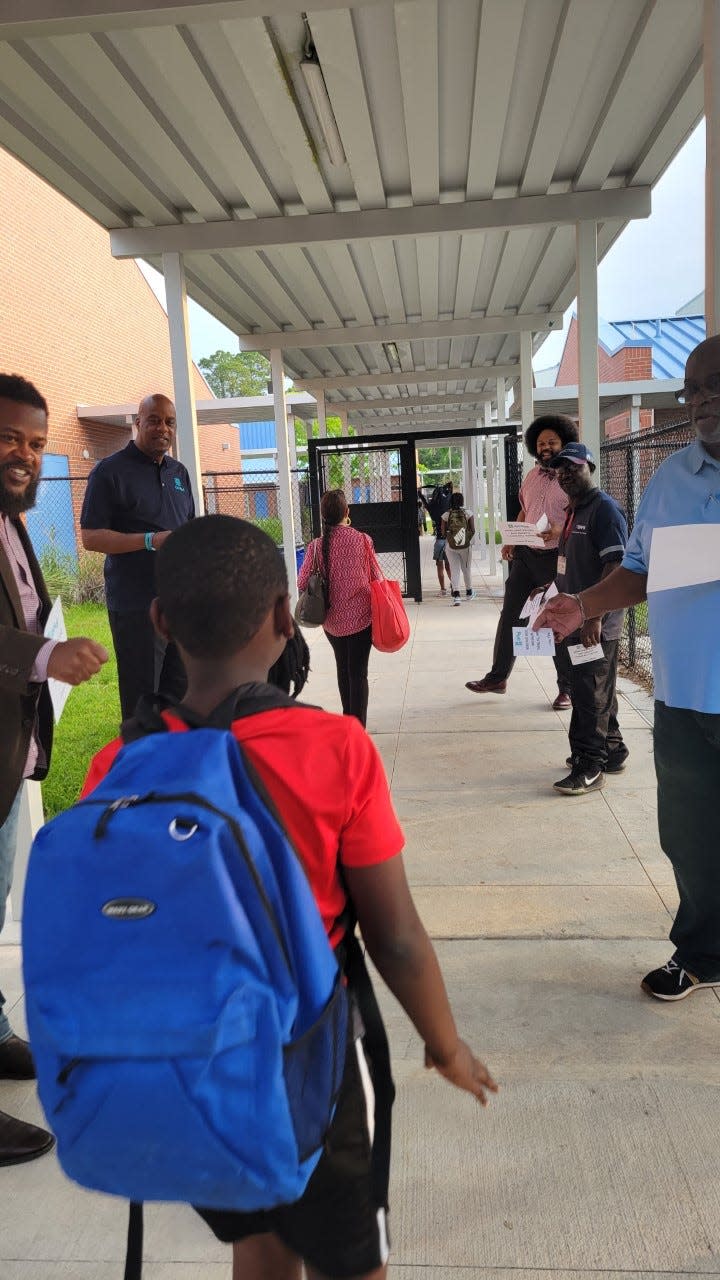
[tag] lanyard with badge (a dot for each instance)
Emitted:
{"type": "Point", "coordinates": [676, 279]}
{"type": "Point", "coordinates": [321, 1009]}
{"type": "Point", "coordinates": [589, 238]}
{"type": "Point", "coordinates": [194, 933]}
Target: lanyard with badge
{"type": "Point", "coordinates": [567, 530]}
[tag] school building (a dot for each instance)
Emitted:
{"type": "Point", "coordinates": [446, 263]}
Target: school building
{"type": "Point", "coordinates": [87, 329]}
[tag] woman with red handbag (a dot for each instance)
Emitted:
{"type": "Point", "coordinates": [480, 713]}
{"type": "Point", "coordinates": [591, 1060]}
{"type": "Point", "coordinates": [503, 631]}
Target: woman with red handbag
{"type": "Point", "coordinates": [348, 565]}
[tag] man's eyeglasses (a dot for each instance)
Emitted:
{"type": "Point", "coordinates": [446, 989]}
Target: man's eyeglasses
{"type": "Point", "coordinates": [710, 389]}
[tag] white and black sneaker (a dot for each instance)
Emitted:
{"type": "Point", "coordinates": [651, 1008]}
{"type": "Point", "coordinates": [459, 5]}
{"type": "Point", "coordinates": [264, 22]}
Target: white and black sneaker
{"type": "Point", "coordinates": [672, 982]}
{"type": "Point", "coordinates": [580, 782]}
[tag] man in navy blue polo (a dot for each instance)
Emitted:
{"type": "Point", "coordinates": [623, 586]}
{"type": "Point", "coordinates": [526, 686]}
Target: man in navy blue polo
{"type": "Point", "coordinates": [591, 544]}
{"type": "Point", "coordinates": [134, 500]}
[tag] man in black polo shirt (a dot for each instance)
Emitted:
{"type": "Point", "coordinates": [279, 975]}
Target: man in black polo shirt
{"type": "Point", "coordinates": [134, 499]}
{"type": "Point", "coordinates": [591, 545]}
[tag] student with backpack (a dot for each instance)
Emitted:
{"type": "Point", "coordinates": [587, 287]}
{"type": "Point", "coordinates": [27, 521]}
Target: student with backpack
{"type": "Point", "coordinates": [437, 504]}
{"type": "Point", "coordinates": [458, 529]}
{"type": "Point", "coordinates": [289, 777]}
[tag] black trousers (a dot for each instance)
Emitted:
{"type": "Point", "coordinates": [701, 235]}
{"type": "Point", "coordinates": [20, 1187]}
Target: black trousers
{"type": "Point", "coordinates": [594, 729]}
{"type": "Point", "coordinates": [352, 655]}
{"type": "Point", "coordinates": [146, 664]}
{"type": "Point", "coordinates": [687, 764]}
{"type": "Point", "coordinates": [528, 569]}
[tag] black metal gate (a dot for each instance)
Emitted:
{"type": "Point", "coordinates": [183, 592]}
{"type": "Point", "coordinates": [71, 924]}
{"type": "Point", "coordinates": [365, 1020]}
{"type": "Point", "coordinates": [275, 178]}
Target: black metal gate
{"type": "Point", "coordinates": [379, 480]}
{"type": "Point", "coordinates": [379, 476]}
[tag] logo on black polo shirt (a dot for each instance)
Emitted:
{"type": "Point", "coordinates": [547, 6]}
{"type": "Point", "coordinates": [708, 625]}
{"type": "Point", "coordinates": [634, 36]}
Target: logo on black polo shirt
{"type": "Point", "coordinates": [179, 484]}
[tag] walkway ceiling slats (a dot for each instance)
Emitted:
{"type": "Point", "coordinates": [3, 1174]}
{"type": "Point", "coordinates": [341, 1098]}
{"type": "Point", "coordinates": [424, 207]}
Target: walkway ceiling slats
{"type": "Point", "coordinates": [170, 116]}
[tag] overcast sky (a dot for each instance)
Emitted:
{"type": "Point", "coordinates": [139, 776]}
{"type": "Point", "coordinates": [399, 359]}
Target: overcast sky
{"type": "Point", "coordinates": [658, 263]}
{"type": "Point", "coordinates": [652, 270]}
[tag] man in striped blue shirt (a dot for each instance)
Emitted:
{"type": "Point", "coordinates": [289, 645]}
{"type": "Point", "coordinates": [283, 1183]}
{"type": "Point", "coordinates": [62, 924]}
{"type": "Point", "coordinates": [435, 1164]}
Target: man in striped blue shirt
{"type": "Point", "coordinates": [684, 624]}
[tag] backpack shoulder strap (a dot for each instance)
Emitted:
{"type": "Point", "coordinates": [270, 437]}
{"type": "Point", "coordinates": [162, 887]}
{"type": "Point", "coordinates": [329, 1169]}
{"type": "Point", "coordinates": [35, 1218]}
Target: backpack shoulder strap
{"type": "Point", "coordinates": [246, 700]}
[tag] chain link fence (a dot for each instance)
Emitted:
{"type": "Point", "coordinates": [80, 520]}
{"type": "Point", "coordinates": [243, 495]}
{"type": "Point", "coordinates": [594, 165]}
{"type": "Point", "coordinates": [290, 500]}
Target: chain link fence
{"type": "Point", "coordinates": [77, 575]}
{"type": "Point", "coordinates": [626, 465]}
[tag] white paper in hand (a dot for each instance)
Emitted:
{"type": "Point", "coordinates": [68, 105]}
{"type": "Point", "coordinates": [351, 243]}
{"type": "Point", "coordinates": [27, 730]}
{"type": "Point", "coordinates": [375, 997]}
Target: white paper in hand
{"type": "Point", "coordinates": [518, 533]}
{"type": "Point", "coordinates": [578, 654]}
{"type": "Point", "coordinates": [684, 555]}
{"type": "Point", "coordinates": [533, 644]}
{"type": "Point", "coordinates": [55, 630]}
{"type": "Point", "coordinates": [535, 604]}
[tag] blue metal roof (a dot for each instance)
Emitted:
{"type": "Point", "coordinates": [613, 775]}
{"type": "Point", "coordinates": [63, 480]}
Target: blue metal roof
{"type": "Point", "coordinates": [671, 338]}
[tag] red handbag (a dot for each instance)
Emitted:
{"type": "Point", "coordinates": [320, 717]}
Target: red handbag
{"type": "Point", "coordinates": [390, 623]}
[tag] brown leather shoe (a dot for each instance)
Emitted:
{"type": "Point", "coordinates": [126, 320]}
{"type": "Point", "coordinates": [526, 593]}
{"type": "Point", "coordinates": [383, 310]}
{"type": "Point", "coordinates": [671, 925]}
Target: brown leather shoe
{"type": "Point", "coordinates": [20, 1142]}
{"type": "Point", "coordinates": [486, 685]}
{"type": "Point", "coordinates": [16, 1060]}
{"type": "Point", "coordinates": [563, 702]}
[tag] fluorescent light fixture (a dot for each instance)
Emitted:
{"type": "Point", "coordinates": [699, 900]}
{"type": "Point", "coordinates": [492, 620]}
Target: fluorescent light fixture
{"type": "Point", "coordinates": [391, 353]}
{"type": "Point", "coordinates": [317, 89]}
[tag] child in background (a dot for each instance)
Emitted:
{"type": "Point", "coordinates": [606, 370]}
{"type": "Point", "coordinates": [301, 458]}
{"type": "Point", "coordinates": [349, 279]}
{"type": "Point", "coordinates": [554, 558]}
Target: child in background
{"type": "Point", "coordinates": [458, 529]}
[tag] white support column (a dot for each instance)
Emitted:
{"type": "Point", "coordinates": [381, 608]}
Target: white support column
{"type": "Point", "coordinates": [321, 415]}
{"type": "Point", "coordinates": [465, 470]}
{"type": "Point", "coordinates": [490, 482]}
{"type": "Point", "coordinates": [587, 299]}
{"type": "Point", "coordinates": [501, 420]}
{"type": "Point", "coordinates": [283, 465]}
{"type": "Point", "coordinates": [635, 414]}
{"type": "Point", "coordinates": [188, 451]}
{"type": "Point", "coordinates": [711, 67]}
{"type": "Point", "coordinates": [292, 441]}
{"type": "Point", "coordinates": [482, 472]}
{"type": "Point", "coordinates": [501, 402]}
{"type": "Point", "coordinates": [502, 496]}
{"type": "Point", "coordinates": [479, 482]}
{"type": "Point", "coordinates": [526, 387]}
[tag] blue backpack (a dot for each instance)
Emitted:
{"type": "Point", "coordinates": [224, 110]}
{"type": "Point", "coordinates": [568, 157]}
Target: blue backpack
{"type": "Point", "coordinates": [186, 1012]}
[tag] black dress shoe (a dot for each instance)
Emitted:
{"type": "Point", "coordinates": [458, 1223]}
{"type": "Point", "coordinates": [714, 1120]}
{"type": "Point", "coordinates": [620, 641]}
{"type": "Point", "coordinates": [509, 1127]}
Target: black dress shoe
{"type": "Point", "coordinates": [20, 1142]}
{"type": "Point", "coordinates": [16, 1060]}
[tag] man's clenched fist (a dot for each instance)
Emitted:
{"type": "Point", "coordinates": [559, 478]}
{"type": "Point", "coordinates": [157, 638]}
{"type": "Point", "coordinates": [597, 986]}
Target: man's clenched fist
{"type": "Point", "coordinates": [76, 660]}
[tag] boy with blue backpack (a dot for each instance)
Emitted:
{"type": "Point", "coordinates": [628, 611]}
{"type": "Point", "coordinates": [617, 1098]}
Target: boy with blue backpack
{"type": "Point", "coordinates": [230, 843]}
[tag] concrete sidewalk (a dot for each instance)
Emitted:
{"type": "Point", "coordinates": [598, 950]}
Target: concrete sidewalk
{"type": "Point", "coordinates": [601, 1153]}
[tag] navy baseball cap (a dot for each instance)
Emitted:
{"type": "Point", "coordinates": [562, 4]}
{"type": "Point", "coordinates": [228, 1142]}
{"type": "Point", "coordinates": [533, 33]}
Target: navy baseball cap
{"type": "Point", "coordinates": [573, 452]}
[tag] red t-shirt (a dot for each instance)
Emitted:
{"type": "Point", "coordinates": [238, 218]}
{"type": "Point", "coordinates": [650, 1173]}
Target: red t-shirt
{"type": "Point", "coordinates": [326, 778]}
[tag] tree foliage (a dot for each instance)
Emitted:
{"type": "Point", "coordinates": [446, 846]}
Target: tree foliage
{"type": "Point", "coordinates": [236, 373]}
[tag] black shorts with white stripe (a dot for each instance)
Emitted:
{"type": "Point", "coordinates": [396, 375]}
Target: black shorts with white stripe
{"type": "Point", "coordinates": [339, 1225]}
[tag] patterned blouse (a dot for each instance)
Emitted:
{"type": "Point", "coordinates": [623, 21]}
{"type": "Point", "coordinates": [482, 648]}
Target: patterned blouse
{"type": "Point", "coordinates": [352, 568]}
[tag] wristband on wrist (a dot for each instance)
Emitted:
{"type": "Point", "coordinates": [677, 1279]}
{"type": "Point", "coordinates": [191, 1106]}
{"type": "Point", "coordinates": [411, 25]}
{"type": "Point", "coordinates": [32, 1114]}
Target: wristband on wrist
{"type": "Point", "coordinates": [149, 541]}
{"type": "Point", "coordinates": [581, 607]}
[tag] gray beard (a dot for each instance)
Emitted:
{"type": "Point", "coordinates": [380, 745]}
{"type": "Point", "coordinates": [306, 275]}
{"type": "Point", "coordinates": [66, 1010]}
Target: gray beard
{"type": "Point", "coordinates": [712, 437]}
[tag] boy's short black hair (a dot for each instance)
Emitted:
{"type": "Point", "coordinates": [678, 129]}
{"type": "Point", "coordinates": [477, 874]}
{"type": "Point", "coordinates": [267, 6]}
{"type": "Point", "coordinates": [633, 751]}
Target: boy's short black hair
{"type": "Point", "coordinates": [563, 426]}
{"type": "Point", "coordinates": [13, 387]}
{"type": "Point", "coordinates": [217, 579]}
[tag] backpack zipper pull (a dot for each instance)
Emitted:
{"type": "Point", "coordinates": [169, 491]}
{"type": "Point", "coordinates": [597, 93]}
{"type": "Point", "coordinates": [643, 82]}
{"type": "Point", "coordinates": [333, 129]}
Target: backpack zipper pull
{"type": "Point", "coordinates": [124, 802]}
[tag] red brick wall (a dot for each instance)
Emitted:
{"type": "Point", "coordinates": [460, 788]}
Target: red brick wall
{"type": "Point", "coordinates": [568, 372]}
{"type": "Point", "coordinates": [213, 456]}
{"type": "Point", "coordinates": [87, 329]}
{"type": "Point", "coordinates": [620, 424]}
{"type": "Point", "coordinates": [629, 364]}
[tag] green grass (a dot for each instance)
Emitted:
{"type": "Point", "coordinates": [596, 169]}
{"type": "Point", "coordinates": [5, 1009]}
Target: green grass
{"type": "Point", "coordinates": [91, 716]}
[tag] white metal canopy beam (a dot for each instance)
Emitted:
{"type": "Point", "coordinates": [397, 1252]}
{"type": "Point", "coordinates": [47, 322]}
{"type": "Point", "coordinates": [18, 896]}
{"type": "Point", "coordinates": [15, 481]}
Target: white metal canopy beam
{"type": "Point", "coordinates": [34, 18]}
{"type": "Point", "coordinates": [411, 423]}
{"type": "Point", "coordinates": [182, 371]}
{"type": "Point", "coordinates": [404, 377]}
{"type": "Point", "coordinates": [448, 398]}
{"type": "Point", "coordinates": [618, 203]}
{"type": "Point", "coordinates": [352, 335]}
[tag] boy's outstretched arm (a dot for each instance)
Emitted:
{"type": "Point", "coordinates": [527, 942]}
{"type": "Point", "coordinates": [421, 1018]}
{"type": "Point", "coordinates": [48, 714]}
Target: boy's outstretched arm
{"type": "Point", "coordinates": [404, 956]}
